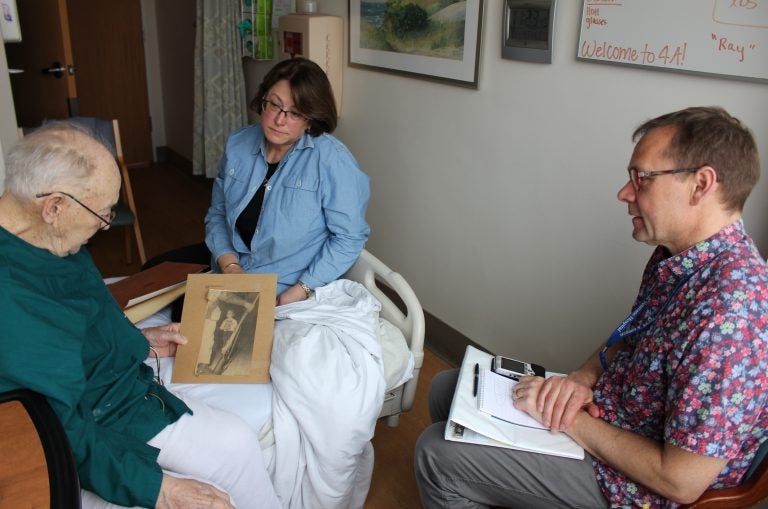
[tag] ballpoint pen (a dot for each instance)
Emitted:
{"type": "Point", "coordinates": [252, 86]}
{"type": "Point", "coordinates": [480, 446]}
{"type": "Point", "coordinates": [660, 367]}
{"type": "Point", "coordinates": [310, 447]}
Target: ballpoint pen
{"type": "Point", "coordinates": [477, 374]}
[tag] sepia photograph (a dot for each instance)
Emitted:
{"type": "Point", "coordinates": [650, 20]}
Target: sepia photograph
{"type": "Point", "coordinates": [229, 321]}
{"type": "Point", "coordinates": [228, 332]}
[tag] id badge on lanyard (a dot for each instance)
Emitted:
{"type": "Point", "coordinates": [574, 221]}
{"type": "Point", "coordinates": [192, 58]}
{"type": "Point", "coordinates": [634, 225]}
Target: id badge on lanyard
{"type": "Point", "coordinates": [622, 330]}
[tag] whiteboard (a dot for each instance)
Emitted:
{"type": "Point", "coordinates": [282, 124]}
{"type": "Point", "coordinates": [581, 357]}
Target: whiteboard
{"type": "Point", "coordinates": [720, 37]}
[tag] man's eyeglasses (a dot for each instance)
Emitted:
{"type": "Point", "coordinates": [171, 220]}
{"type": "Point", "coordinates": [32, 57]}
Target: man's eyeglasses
{"type": "Point", "coordinates": [636, 176]}
{"type": "Point", "coordinates": [106, 218]}
{"type": "Point", "coordinates": [277, 109]}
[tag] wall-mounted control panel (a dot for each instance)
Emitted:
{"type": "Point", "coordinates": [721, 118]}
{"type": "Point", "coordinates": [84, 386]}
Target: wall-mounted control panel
{"type": "Point", "coordinates": [528, 30]}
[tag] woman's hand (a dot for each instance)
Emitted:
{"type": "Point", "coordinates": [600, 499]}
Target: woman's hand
{"type": "Point", "coordinates": [233, 269]}
{"type": "Point", "coordinates": [229, 263]}
{"type": "Point", "coordinates": [164, 338]}
{"type": "Point", "coordinates": [293, 294]}
{"type": "Point", "coordinates": [178, 493]}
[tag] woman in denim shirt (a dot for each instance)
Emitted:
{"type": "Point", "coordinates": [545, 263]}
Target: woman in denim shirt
{"type": "Point", "coordinates": [289, 198]}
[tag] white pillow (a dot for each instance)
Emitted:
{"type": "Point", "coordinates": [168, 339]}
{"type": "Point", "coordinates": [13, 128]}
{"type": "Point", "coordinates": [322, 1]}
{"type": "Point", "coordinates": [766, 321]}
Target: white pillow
{"type": "Point", "coordinates": [397, 357]}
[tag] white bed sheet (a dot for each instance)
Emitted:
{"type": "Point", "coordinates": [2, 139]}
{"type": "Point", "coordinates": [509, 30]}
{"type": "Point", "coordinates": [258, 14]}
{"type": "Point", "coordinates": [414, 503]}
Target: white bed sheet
{"type": "Point", "coordinates": [253, 402]}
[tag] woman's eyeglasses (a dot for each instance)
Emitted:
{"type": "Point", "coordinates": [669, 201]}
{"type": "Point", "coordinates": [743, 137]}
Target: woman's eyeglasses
{"type": "Point", "coordinates": [106, 218]}
{"type": "Point", "coordinates": [277, 109]}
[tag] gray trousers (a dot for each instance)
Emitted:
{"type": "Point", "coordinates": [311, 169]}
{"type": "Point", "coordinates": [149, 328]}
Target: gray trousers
{"type": "Point", "coordinates": [459, 475]}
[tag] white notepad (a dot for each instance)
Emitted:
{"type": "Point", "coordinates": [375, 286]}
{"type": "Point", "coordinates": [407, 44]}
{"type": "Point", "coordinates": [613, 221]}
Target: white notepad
{"type": "Point", "coordinates": [494, 397]}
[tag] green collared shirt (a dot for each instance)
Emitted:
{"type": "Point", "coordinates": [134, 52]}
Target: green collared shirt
{"type": "Point", "coordinates": [63, 335]}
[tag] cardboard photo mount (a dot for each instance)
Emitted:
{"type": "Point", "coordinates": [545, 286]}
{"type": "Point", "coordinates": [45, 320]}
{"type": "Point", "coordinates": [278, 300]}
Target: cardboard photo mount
{"type": "Point", "coordinates": [195, 362]}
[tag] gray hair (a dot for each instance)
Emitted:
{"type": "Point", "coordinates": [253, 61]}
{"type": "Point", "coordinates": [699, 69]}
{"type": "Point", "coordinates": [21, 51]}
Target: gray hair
{"type": "Point", "coordinates": [58, 154]}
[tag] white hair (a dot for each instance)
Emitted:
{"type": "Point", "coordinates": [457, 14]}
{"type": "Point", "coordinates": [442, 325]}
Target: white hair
{"type": "Point", "coordinates": [59, 154]}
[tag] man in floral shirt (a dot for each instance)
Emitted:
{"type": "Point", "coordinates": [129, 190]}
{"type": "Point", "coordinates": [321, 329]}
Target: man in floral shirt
{"type": "Point", "coordinates": [673, 403]}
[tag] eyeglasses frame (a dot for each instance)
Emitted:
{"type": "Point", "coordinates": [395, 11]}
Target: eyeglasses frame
{"type": "Point", "coordinates": [290, 115]}
{"type": "Point", "coordinates": [107, 223]}
{"type": "Point", "coordinates": [638, 174]}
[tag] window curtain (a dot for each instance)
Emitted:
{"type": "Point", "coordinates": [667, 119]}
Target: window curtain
{"type": "Point", "coordinates": [220, 104]}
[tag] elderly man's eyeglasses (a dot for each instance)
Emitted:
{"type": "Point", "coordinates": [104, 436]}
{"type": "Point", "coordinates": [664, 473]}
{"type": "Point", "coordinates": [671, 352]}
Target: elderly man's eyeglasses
{"type": "Point", "coordinates": [105, 218]}
{"type": "Point", "coordinates": [277, 109]}
{"type": "Point", "coordinates": [636, 176]}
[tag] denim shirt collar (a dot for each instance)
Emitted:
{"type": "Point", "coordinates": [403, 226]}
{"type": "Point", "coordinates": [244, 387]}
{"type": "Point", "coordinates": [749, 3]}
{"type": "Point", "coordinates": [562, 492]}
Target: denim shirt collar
{"type": "Point", "coordinates": [304, 142]}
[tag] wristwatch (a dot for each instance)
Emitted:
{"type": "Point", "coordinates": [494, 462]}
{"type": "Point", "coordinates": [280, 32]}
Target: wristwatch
{"type": "Point", "coordinates": [309, 291]}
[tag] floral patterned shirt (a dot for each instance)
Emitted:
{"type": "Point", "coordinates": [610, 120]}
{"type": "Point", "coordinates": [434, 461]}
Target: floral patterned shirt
{"type": "Point", "coordinates": [697, 376]}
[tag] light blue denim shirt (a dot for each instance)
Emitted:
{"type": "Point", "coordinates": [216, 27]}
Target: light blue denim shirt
{"type": "Point", "coordinates": [312, 225]}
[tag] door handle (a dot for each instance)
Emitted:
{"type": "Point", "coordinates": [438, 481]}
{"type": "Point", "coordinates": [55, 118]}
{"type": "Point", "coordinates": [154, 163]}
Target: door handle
{"type": "Point", "coordinates": [56, 69]}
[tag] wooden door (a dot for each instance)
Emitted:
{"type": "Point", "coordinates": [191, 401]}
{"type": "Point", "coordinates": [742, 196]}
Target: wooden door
{"type": "Point", "coordinates": [100, 44]}
{"type": "Point", "coordinates": [108, 48]}
{"type": "Point", "coordinates": [40, 91]}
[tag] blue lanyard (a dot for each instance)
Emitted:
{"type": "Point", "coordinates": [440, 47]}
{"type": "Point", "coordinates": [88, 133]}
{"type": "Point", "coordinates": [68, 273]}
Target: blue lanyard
{"type": "Point", "coordinates": [620, 332]}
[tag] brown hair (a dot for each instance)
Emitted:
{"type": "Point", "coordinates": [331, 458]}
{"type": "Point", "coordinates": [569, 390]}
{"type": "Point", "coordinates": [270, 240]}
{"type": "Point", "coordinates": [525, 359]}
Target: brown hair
{"type": "Point", "coordinates": [311, 91]}
{"type": "Point", "coordinates": [710, 136]}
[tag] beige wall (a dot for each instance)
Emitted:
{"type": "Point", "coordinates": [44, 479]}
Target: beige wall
{"type": "Point", "coordinates": [175, 25]}
{"type": "Point", "coordinates": [154, 78]}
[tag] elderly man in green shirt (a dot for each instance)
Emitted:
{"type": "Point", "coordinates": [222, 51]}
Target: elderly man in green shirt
{"type": "Point", "coordinates": [62, 335]}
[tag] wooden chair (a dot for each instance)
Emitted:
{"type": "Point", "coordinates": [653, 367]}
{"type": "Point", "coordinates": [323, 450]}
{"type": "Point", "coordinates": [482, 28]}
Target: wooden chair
{"type": "Point", "coordinates": [108, 132]}
{"type": "Point", "coordinates": [753, 490]}
{"type": "Point", "coordinates": [37, 468]}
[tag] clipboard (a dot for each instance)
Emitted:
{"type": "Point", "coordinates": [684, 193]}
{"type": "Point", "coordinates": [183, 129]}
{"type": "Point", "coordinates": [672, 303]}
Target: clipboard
{"type": "Point", "coordinates": [466, 423]}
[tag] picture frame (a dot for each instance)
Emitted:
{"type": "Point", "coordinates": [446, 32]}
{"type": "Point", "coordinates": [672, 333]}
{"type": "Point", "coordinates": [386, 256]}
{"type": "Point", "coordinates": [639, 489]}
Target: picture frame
{"type": "Point", "coordinates": [228, 320]}
{"type": "Point", "coordinates": [392, 35]}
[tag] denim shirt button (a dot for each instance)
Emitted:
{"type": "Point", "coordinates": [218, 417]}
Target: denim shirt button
{"type": "Point", "coordinates": [231, 171]}
{"type": "Point", "coordinates": [298, 183]}
{"type": "Point", "coordinates": [269, 188]}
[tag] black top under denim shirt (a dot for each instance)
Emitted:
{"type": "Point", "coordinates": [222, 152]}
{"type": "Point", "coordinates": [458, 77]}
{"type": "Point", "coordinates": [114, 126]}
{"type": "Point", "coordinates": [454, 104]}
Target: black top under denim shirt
{"type": "Point", "coordinates": [249, 217]}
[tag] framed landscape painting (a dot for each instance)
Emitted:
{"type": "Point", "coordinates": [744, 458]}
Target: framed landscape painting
{"type": "Point", "coordinates": [437, 40]}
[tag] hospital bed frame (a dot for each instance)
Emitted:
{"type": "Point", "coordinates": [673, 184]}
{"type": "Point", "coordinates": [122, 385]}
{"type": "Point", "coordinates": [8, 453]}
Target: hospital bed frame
{"type": "Point", "coordinates": [370, 272]}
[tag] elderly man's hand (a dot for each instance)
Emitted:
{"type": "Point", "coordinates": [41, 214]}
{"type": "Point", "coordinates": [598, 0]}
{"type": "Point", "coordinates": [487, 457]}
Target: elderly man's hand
{"type": "Point", "coordinates": [164, 338]}
{"type": "Point", "coordinates": [178, 493]}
